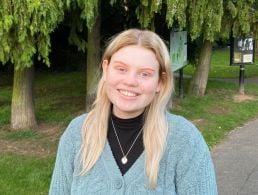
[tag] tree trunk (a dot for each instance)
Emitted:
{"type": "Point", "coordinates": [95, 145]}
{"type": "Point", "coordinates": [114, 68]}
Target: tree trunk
{"type": "Point", "coordinates": [200, 78]}
{"type": "Point", "coordinates": [93, 60]}
{"type": "Point", "coordinates": [22, 111]}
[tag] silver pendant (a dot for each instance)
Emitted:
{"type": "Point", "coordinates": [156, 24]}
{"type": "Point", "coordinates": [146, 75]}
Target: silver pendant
{"type": "Point", "coordinates": [124, 160]}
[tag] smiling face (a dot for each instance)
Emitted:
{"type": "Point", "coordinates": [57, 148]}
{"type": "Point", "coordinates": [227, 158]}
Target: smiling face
{"type": "Point", "coordinates": [131, 80]}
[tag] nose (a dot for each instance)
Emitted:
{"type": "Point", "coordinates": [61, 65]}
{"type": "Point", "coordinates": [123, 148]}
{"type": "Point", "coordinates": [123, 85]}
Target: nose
{"type": "Point", "coordinates": [131, 79]}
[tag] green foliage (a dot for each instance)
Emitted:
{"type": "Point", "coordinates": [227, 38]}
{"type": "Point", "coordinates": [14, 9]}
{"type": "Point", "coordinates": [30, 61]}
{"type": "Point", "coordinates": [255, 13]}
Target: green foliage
{"type": "Point", "coordinates": [176, 11]}
{"type": "Point", "coordinates": [240, 18]}
{"type": "Point", "coordinates": [213, 17]}
{"type": "Point", "coordinates": [202, 18]}
{"type": "Point", "coordinates": [196, 18]}
{"type": "Point", "coordinates": [205, 18]}
{"type": "Point", "coordinates": [76, 25]}
{"type": "Point", "coordinates": [146, 10]}
{"type": "Point", "coordinates": [88, 10]}
{"type": "Point", "coordinates": [79, 13]}
{"type": "Point", "coordinates": [232, 9]}
{"type": "Point", "coordinates": [25, 27]}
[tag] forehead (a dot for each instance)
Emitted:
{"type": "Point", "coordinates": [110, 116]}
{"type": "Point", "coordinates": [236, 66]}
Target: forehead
{"type": "Point", "coordinates": [135, 55]}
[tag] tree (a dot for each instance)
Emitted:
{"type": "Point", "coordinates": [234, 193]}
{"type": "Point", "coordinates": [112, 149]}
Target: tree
{"type": "Point", "coordinates": [236, 18]}
{"type": "Point", "coordinates": [87, 11]}
{"type": "Point", "coordinates": [204, 23]}
{"type": "Point", "coordinates": [25, 28]}
{"type": "Point", "coordinates": [93, 59]}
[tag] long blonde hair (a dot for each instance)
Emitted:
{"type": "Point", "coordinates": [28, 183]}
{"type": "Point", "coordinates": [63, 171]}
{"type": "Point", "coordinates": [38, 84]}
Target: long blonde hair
{"type": "Point", "coordinates": [94, 133]}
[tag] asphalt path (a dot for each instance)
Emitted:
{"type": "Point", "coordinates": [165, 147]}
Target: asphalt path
{"type": "Point", "coordinates": [236, 161]}
{"type": "Point", "coordinates": [236, 157]}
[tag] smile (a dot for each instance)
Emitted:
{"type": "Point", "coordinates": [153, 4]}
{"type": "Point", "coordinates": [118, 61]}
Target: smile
{"type": "Point", "coordinates": [127, 93]}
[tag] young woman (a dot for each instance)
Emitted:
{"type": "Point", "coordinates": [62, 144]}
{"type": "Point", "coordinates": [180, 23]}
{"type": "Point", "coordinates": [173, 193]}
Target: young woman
{"type": "Point", "coordinates": [128, 143]}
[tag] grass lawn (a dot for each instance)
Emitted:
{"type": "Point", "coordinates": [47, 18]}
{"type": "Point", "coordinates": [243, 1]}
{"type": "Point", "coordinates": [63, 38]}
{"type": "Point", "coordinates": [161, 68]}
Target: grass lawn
{"type": "Point", "coordinates": [220, 66]}
{"type": "Point", "coordinates": [27, 157]}
{"type": "Point", "coordinates": [24, 175]}
{"type": "Point", "coordinates": [220, 110]}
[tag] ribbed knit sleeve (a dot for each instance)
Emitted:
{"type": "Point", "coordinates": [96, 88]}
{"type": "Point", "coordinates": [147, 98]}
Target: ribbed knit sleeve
{"type": "Point", "coordinates": [64, 165]}
{"type": "Point", "coordinates": [194, 168]}
{"type": "Point", "coordinates": [196, 172]}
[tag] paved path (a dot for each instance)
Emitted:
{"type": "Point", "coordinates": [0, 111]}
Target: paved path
{"type": "Point", "coordinates": [236, 157]}
{"type": "Point", "coordinates": [252, 80]}
{"type": "Point", "coordinates": [236, 161]}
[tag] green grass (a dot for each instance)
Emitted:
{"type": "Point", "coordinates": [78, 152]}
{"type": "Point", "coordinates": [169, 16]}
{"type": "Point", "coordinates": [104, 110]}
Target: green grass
{"type": "Point", "coordinates": [5, 103]}
{"type": "Point", "coordinates": [57, 95]}
{"type": "Point", "coordinates": [217, 113]}
{"type": "Point", "coordinates": [20, 135]}
{"type": "Point", "coordinates": [24, 175]}
{"type": "Point", "coordinates": [220, 66]}
{"type": "Point", "coordinates": [60, 96]}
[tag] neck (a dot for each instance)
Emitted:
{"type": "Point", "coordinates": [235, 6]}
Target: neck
{"type": "Point", "coordinates": [126, 115]}
{"type": "Point", "coordinates": [128, 124]}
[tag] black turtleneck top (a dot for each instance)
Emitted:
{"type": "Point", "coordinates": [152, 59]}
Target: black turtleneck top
{"type": "Point", "coordinates": [127, 130]}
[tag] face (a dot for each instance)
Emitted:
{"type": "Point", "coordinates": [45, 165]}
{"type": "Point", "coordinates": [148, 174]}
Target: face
{"type": "Point", "coordinates": [132, 80]}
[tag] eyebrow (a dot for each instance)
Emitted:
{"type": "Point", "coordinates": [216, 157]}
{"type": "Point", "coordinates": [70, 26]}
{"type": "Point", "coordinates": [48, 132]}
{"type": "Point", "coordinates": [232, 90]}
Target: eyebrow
{"type": "Point", "coordinates": [123, 63]}
{"type": "Point", "coordinates": [120, 62]}
{"type": "Point", "coordinates": [148, 69]}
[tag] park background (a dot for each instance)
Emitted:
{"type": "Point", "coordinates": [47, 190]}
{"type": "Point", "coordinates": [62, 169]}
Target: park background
{"type": "Point", "coordinates": [50, 51]}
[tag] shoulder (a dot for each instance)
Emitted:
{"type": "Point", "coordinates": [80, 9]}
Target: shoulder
{"type": "Point", "coordinates": [73, 130]}
{"type": "Point", "coordinates": [182, 133]}
{"type": "Point", "coordinates": [180, 126]}
{"type": "Point", "coordinates": [77, 121]}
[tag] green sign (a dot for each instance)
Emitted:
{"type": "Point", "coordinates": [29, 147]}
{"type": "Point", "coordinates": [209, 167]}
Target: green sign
{"type": "Point", "coordinates": [178, 49]}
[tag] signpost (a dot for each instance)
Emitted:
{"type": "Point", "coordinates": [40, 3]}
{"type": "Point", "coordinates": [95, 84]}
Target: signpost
{"type": "Point", "coordinates": [178, 54]}
{"type": "Point", "coordinates": [242, 53]}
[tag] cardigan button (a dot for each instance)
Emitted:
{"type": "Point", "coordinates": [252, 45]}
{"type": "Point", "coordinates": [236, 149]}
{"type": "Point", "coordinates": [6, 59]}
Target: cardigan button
{"type": "Point", "coordinates": [118, 183]}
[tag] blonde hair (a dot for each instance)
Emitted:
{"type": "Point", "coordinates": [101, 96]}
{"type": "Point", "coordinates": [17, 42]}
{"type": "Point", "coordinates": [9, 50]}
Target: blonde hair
{"type": "Point", "coordinates": [155, 128]}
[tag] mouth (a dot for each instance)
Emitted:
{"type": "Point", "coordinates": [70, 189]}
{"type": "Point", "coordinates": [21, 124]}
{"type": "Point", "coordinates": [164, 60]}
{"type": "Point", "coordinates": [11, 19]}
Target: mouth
{"type": "Point", "coordinates": [128, 93]}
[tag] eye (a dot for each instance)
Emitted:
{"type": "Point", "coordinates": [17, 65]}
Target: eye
{"type": "Point", "coordinates": [121, 69]}
{"type": "Point", "coordinates": [145, 74]}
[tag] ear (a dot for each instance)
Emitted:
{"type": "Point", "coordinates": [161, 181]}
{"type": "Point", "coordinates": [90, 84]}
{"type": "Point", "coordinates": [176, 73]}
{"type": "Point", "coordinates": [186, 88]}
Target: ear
{"type": "Point", "coordinates": [161, 82]}
{"type": "Point", "coordinates": [159, 86]}
{"type": "Point", "coordinates": [104, 69]}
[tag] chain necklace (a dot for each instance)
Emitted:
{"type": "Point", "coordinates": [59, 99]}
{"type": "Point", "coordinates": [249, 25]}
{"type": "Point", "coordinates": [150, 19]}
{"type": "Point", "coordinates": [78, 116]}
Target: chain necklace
{"type": "Point", "coordinates": [124, 159]}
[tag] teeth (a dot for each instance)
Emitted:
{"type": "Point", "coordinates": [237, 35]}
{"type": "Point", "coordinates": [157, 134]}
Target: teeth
{"type": "Point", "coordinates": [128, 93]}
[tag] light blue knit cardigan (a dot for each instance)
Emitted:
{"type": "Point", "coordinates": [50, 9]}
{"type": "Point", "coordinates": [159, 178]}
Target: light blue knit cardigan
{"type": "Point", "coordinates": [185, 169]}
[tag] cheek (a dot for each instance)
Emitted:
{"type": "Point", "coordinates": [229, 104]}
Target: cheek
{"type": "Point", "coordinates": [111, 81]}
{"type": "Point", "coordinates": [110, 78]}
{"type": "Point", "coordinates": [151, 88]}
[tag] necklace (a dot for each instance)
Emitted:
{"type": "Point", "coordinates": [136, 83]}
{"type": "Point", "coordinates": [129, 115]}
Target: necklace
{"type": "Point", "coordinates": [124, 159]}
